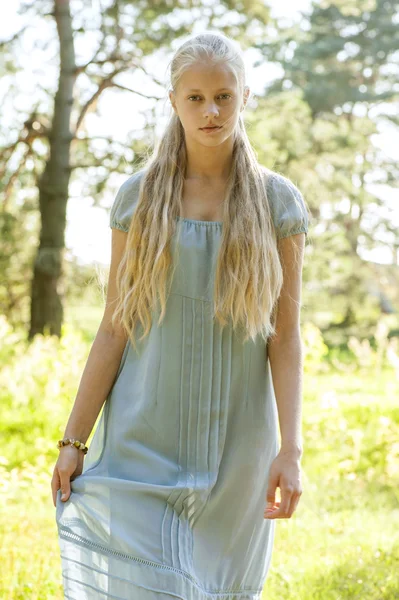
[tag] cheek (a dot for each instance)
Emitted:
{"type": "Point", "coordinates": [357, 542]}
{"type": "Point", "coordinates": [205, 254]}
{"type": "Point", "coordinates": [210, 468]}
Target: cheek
{"type": "Point", "coordinates": [231, 115]}
{"type": "Point", "coordinates": [189, 115]}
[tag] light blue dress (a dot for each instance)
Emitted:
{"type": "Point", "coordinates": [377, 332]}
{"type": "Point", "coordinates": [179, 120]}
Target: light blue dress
{"type": "Point", "coordinates": [170, 502]}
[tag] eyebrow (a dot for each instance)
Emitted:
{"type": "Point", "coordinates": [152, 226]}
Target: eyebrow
{"type": "Point", "coordinates": [219, 90]}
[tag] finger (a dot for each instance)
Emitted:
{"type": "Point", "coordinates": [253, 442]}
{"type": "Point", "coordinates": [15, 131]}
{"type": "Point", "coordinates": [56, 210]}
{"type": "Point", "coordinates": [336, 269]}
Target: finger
{"type": "Point", "coordinates": [271, 510]}
{"type": "Point", "coordinates": [65, 485]}
{"type": "Point", "coordinates": [271, 491]}
{"type": "Point", "coordinates": [273, 514]}
{"type": "Point", "coordinates": [275, 505]}
{"type": "Point", "coordinates": [282, 511]}
{"type": "Point", "coordinates": [294, 502]}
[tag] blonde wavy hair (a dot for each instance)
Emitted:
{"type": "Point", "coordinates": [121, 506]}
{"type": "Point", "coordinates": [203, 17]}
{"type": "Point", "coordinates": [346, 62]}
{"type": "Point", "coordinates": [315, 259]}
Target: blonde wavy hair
{"type": "Point", "coordinates": [248, 276]}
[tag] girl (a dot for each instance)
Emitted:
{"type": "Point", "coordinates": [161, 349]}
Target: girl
{"type": "Point", "coordinates": [176, 498]}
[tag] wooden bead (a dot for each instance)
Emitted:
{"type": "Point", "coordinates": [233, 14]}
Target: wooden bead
{"type": "Point", "coordinates": [72, 442]}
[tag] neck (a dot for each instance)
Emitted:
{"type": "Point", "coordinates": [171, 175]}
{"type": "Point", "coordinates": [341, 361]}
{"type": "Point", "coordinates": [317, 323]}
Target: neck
{"type": "Point", "coordinates": [209, 164]}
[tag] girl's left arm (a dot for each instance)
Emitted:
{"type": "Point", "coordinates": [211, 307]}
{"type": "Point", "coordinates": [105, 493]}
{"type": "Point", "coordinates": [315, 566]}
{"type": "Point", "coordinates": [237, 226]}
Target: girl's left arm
{"type": "Point", "coordinates": [285, 349]}
{"type": "Point", "coordinates": [285, 356]}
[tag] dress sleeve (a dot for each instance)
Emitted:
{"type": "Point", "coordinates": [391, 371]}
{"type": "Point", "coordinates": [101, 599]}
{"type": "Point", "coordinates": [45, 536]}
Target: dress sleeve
{"type": "Point", "coordinates": [288, 207]}
{"type": "Point", "coordinates": [125, 203]}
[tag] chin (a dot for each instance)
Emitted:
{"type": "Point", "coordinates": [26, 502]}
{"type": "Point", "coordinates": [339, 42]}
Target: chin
{"type": "Point", "coordinates": [211, 139]}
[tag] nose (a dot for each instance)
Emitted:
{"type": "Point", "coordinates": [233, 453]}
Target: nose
{"type": "Point", "coordinates": [211, 110]}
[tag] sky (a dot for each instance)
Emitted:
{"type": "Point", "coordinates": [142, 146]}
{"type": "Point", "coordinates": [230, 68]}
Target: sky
{"type": "Point", "coordinates": [121, 112]}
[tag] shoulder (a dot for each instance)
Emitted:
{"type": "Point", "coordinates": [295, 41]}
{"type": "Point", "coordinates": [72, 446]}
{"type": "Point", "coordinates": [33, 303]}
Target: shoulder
{"type": "Point", "coordinates": [132, 184]}
{"type": "Point", "coordinates": [279, 184]}
{"type": "Point", "coordinates": [125, 202]}
{"type": "Point", "coordinates": [287, 204]}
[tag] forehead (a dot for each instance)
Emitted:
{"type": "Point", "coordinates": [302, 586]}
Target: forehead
{"type": "Point", "coordinates": [206, 77]}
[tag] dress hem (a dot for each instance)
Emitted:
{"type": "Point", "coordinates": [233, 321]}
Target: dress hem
{"type": "Point", "coordinates": [154, 578]}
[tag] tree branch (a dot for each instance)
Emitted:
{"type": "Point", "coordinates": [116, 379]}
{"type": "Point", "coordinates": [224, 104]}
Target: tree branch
{"type": "Point", "coordinates": [123, 87]}
{"type": "Point", "coordinates": [9, 185]}
{"type": "Point", "coordinates": [106, 82]}
{"type": "Point", "coordinates": [4, 43]}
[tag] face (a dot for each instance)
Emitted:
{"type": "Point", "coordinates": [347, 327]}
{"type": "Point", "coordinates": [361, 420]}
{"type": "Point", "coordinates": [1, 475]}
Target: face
{"type": "Point", "coordinates": [208, 94]}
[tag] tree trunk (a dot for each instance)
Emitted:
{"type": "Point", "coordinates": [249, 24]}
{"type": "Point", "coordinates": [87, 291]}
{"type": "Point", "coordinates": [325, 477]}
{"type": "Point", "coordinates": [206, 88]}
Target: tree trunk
{"type": "Point", "coordinates": [47, 291]}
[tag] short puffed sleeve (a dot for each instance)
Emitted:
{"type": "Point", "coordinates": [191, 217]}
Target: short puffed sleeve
{"type": "Point", "coordinates": [125, 202]}
{"type": "Point", "coordinates": [288, 207]}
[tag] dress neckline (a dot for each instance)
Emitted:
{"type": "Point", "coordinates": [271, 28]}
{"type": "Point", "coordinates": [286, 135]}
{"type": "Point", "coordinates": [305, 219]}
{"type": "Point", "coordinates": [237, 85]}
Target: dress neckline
{"type": "Point", "coordinates": [199, 222]}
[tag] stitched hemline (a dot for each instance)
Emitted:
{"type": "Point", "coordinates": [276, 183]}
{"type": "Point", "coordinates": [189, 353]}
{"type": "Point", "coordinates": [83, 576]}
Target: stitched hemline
{"type": "Point", "coordinates": [185, 579]}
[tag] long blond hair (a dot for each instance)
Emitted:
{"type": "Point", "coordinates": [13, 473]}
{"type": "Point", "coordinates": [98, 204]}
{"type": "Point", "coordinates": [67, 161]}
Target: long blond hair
{"type": "Point", "coordinates": [248, 275]}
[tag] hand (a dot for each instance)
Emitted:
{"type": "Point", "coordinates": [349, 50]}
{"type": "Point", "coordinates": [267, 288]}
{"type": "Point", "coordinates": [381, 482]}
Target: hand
{"type": "Point", "coordinates": [68, 466]}
{"type": "Point", "coordinates": [285, 473]}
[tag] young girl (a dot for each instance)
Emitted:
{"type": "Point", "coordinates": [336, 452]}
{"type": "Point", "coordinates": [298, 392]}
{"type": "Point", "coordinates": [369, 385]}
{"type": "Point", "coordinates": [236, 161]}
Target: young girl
{"type": "Point", "coordinates": [176, 498]}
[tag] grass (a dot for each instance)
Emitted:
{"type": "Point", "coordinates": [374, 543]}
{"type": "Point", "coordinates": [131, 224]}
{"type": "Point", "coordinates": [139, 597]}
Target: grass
{"type": "Point", "coordinates": [342, 541]}
{"type": "Point", "coordinates": [340, 544]}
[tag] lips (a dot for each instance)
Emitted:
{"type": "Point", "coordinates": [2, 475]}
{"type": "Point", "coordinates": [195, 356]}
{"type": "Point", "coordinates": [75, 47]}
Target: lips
{"type": "Point", "coordinates": [214, 127]}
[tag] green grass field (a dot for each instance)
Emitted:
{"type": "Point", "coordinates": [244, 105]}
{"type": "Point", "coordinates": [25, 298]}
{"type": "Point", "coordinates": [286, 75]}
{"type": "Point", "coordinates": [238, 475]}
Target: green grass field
{"type": "Point", "coordinates": [341, 543]}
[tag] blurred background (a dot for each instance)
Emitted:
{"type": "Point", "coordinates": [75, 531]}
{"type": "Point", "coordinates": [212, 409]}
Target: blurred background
{"type": "Point", "coordinates": [324, 112]}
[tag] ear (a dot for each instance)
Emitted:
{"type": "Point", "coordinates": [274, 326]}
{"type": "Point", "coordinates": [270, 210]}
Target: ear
{"type": "Point", "coordinates": [247, 91]}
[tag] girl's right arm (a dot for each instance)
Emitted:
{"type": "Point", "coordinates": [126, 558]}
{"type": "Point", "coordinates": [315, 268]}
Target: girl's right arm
{"type": "Point", "coordinates": [97, 379]}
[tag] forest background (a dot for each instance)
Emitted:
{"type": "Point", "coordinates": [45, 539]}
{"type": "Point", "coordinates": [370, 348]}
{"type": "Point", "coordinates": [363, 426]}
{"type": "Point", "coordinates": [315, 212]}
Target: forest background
{"type": "Point", "coordinates": [325, 114]}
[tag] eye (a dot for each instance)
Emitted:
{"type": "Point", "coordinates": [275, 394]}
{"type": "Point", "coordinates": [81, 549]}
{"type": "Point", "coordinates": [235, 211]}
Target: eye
{"type": "Point", "coordinates": [225, 96]}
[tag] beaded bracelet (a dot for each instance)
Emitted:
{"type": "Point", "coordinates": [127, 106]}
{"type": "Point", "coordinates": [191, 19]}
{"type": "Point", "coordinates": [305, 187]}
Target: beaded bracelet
{"type": "Point", "coordinates": [72, 442]}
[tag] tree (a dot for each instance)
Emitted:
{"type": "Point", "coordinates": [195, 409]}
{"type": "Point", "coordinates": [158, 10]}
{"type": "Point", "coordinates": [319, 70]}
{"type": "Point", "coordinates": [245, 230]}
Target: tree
{"type": "Point", "coordinates": [125, 36]}
{"type": "Point", "coordinates": [338, 75]}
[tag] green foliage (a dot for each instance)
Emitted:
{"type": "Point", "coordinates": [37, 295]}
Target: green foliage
{"type": "Point", "coordinates": [342, 541]}
{"type": "Point", "coordinates": [324, 155]}
{"type": "Point", "coordinates": [37, 384]}
{"type": "Point", "coordinates": [316, 123]}
{"type": "Point", "coordinates": [16, 261]}
{"type": "Point", "coordinates": [315, 349]}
